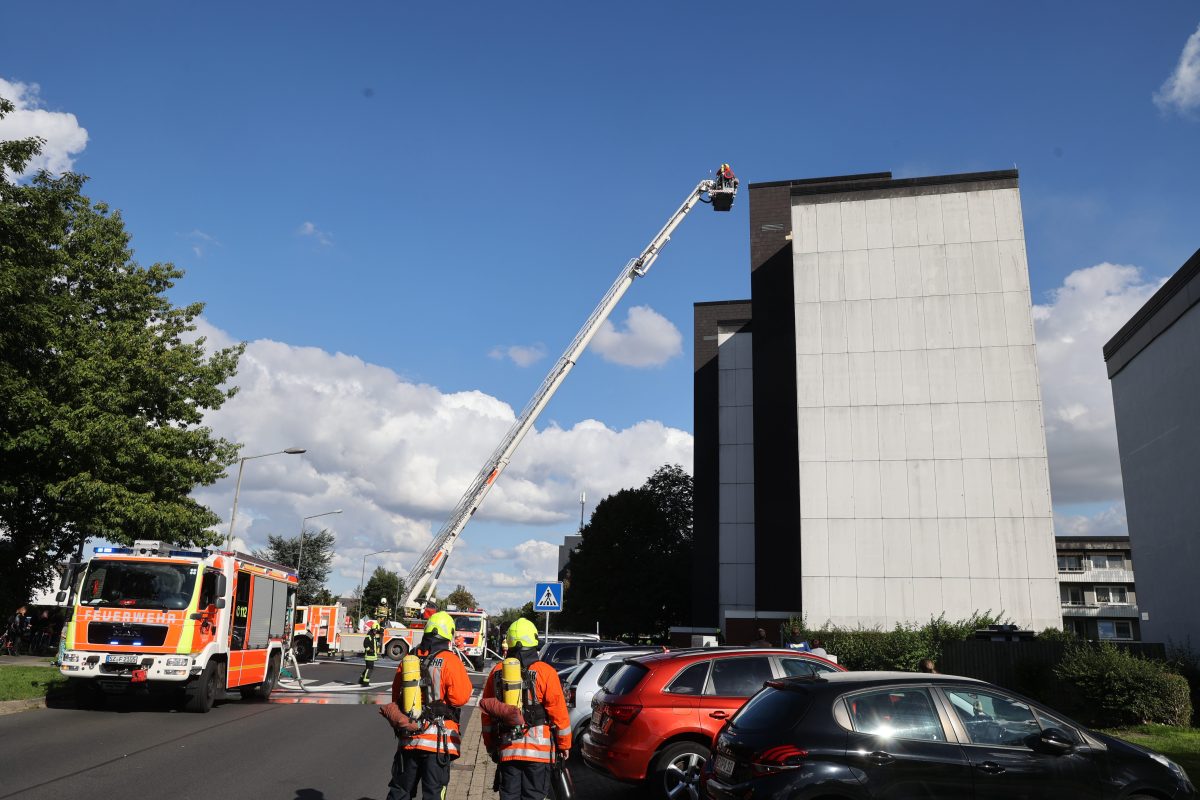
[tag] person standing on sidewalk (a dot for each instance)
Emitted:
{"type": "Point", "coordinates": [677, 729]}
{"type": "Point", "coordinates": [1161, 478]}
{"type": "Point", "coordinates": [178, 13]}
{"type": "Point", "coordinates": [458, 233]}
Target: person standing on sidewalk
{"type": "Point", "coordinates": [524, 753]}
{"type": "Point", "coordinates": [429, 744]}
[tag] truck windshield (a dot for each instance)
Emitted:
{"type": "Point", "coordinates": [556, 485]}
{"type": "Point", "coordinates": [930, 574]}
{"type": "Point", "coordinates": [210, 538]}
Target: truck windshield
{"type": "Point", "coordinates": [467, 624]}
{"type": "Point", "coordinates": [138, 584]}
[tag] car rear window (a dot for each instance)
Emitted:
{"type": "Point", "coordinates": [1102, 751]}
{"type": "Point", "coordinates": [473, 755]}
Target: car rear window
{"type": "Point", "coordinates": [773, 709]}
{"type": "Point", "coordinates": [626, 679]}
{"type": "Point", "coordinates": [609, 668]}
{"type": "Point", "coordinates": [577, 675]}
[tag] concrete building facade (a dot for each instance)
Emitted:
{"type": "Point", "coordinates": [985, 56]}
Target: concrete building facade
{"type": "Point", "coordinates": [1154, 370]}
{"type": "Point", "coordinates": [875, 451]}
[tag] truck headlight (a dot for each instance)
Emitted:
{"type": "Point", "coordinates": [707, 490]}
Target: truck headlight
{"type": "Point", "coordinates": [70, 657]}
{"type": "Point", "coordinates": [179, 662]}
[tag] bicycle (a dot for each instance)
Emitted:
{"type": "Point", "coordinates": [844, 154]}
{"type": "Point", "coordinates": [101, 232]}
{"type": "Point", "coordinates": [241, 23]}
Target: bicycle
{"type": "Point", "coordinates": [9, 645]}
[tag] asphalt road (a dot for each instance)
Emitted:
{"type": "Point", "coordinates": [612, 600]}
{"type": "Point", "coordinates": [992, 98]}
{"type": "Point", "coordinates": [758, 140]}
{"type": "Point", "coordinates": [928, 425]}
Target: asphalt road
{"type": "Point", "coordinates": [327, 745]}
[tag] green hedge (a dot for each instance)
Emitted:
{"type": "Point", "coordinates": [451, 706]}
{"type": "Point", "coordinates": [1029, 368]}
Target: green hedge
{"type": "Point", "coordinates": [1115, 688]}
{"type": "Point", "coordinates": [901, 648]}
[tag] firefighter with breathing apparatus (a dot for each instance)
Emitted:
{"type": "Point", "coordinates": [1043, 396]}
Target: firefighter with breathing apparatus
{"type": "Point", "coordinates": [372, 646]}
{"type": "Point", "coordinates": [525, 724]}
{"type": "Point", "coordinates": [427, 693]}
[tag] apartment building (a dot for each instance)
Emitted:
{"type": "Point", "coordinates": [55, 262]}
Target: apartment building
{"type": "Point", "coordinates": [1095, 582]}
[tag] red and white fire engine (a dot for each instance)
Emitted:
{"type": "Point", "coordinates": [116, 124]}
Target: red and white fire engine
{"type": "Point", "coordinates": [193, 621]}
{"type": "Point", "coordinates": [318, 629]}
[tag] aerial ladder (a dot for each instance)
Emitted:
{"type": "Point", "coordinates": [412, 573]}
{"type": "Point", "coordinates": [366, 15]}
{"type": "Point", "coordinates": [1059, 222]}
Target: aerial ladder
{"type": "Point", "coordinates": [719, 192]}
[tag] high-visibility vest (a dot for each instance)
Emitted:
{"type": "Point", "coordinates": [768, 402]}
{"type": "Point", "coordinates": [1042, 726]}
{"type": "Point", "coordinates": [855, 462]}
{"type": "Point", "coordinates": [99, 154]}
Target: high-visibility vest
{"type": "Point", "coordinates": [549, 723]}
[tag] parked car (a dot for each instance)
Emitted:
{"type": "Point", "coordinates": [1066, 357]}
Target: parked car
{"type": "Point", "coordinates": [566, 654]}
{"type": "Point", "coordinates": [859, 735]}
{"type": "Point", "coordinates": [655, 719]}
{"type": "Point", "coordinates": [587, 679]}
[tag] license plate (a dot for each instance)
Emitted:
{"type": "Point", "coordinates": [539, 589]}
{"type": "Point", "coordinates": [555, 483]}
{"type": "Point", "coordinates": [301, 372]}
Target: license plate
{"type": "Point", "coordinates": [597, 717]}
{"type": "Point", "coordinates": [724, 766]}
{"type": "Point", "coordinates": [122, 658]}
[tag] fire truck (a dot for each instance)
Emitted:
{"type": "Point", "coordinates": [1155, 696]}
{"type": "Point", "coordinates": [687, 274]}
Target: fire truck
{"type": "Point", "coordinates": [470, 635]}
{"type": "Point", "coordinates": [318, 629]}
{"type": "Point", "coordinates": [191, 621]}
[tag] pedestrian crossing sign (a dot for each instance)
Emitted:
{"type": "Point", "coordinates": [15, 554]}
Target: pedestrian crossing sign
{"type": "Point", "coordinates": [548, 596]}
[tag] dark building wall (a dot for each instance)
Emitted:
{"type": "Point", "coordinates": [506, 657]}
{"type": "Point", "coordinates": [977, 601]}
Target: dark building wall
{"type": "Point", "coordinates": [776, 464]}
{"type": "Point", "coordinates": [707, 318]}
{"type": "Point", "coordinates": [1154, 367]}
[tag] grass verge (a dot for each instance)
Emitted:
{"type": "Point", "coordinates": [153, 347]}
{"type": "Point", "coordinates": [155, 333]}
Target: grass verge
{"type": "Point", "coordinates": [24, 683]}
{"type": "Point", "coordinates": [1181, 745]}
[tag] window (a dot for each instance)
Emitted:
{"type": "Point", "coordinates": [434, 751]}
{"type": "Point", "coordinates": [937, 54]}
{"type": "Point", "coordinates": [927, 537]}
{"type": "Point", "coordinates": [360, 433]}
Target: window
{"type": "Point", "coordinates": [1070, 564]}
{"type": "Point", "coordinates": [1077, 627]}
{"type": "Point", "coordinates": [208, 590]}
{"type": "Point", "coordinates": [691, 680]}
{"type": "Point", "coordinates": [1108, 561]}
{"type": "Point", "coordinates": [626, 679]}
{"type": "Point", "coordinates": [803, 667]}
{"type": "Point", "coordinates": [1072, 595]}
{"type": "Point", "coordinates": [606, 673]}
{"type": "Point", "coordinates": [1114, 629]}
{"type": "Point", "coordinates": [902, 713]}
{"type": "Point", "coordinates": [773, 710]}
{"type": "Point", "coordinates": [139, 584]}
{"type": "Point", "coordinates": [1051, 721]}
{"type": "Point", "coordinates": [993, 719]}
{"type": "Point", "coordinates": [738, 677]}
{"type": "Point", "coordinates": [1111, 595]}
{"type": "Point", "coordinates": [241, 612]}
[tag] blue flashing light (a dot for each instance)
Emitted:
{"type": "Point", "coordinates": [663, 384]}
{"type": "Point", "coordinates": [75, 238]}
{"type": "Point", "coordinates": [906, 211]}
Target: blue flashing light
{"type": "Point", "coordinates": [137, 644]}
{"type": "Point", "coordinates": [114, 641]}
{"type": "Point", "coordinates": [189, 554]}
{"type": "Point", "coordinates": [124, 550]}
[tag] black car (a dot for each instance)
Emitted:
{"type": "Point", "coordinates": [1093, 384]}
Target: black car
{"type": "Point", "coordinates": [568, 654]}
{"type": "Point", "coordinates": [860, 735]}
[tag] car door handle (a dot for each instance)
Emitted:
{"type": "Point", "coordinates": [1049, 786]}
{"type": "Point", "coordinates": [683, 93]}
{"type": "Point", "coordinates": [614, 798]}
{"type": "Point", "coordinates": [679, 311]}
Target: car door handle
{"type": "Point", "coordinates": [881, 758]}
{"type": "Point", "coordinates": [719, 715]}
{"type": "Point", "coordinates": [991, 768]}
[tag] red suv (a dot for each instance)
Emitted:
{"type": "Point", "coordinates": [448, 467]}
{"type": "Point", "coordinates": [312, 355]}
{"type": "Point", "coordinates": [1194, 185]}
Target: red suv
{"type": "Point", "coordinates": [656, 717]}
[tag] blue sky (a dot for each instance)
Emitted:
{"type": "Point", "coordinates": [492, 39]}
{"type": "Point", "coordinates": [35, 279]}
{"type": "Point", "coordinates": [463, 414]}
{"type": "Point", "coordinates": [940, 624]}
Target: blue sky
{"type": "Point", "coordinates": [420, 187]}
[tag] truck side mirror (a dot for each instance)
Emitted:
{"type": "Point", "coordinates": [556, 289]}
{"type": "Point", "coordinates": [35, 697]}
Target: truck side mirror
{"type": "Point", "coordinates": [60, 598]}
{"type": "Point", "coordinates": [220, 602]}
{"type": "Point", "coordinates": [221, 586]}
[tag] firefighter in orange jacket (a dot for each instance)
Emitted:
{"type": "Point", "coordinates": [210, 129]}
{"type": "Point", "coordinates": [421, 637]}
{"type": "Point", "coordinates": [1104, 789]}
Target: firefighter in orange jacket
{"type": "Point", "coordinates": [525, 752]}
{"type": "Point", "coordinates": [424, 755]}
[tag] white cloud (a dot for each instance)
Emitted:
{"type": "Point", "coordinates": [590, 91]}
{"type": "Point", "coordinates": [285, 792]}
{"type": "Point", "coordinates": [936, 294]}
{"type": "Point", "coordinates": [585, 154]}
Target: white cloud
{"type": "Point", "coordinates": [1109, 522]}
{"type": "Point", "coordinates": [65, 137]}
{"type": "Point", "coordinates": [1082, 315]}
{"type": "Point", "coordinates": [648, 339]}
{"type": "Point", "coordinates": [323, 238]}
{"type": "Point", "coordinates": [396, 456]}
{"type": "Point", "coordinates": [200, 241]}
{"type": "Point", "coordinates": [519, 354]}
{"type": "Point", "coordinates": [1181, 91]}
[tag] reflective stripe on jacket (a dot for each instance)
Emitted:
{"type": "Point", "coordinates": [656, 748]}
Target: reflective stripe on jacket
{"type": "Point", "coordinates": [536, 742]}
{"type": "Point", "coordinates": [453, 684]}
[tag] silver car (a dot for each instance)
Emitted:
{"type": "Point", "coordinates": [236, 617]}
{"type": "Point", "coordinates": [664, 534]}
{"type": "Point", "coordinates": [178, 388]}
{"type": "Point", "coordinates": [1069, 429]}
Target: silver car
{"type": "Point", "coordinates": [587, 678]}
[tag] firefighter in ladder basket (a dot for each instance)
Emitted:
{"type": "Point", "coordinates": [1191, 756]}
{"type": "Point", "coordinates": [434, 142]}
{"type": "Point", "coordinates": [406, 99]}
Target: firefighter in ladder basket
{"type": "Point", "coordinates": [427, 694]}
{"type": "Point", "coordinates": [524, 719]}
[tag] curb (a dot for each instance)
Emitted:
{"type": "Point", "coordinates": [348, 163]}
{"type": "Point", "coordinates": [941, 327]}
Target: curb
{"type": "Point", "coordinates": [17, 706]}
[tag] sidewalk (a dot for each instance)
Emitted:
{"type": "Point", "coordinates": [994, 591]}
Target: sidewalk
{"type": "Point", "coordinates": [26, 661]}
{"type": "Point", "coordinates": [472, 774]}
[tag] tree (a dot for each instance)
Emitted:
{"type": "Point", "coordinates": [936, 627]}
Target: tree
{"type": "Point", "coordinates": [461, 598]}
{"type": "Point", "coordinates": [507, 616]}
{"type": "Point", "coordinates": [317, 561]}
{"type": "Point", "coordinates": [102, 386]}
{"type": "Point", "coordinates": [631, 571]}
{"type": "Point", "coordinates": [382, 584]}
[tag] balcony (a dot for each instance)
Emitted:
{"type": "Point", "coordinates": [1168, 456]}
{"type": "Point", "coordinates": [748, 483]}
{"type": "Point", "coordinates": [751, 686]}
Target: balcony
{"type": "Point", "coordinates": [1106, 611]}
{"type": "Point", "coordinates": [1096, 576]}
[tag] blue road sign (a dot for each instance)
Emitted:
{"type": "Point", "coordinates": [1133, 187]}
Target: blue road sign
{"type": "Point", "coordinates": [548, 597]}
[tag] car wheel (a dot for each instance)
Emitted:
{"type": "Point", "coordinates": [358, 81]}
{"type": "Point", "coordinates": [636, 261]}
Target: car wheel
{"type": "Point", "coordinates": [397, 650]}
{"type": "Point", "coordinates": [677, 770]}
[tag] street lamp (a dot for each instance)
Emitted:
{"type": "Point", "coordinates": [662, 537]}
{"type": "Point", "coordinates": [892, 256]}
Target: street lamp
{"type": "Point", "coordinates": [300, 556]}
{"type": "Point", "coordinates": [291, 451]}
{"type": "Point", "coordinates": [362, 580]}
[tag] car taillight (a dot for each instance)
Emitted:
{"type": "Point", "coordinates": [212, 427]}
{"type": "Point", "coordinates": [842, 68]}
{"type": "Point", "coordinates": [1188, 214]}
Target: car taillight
{"type": "Point", "coordinates": [571, 697]}
{"type": "Point", "coordinates": [623, 713]}
{"type": "Point", "coordinates": [774, 759]}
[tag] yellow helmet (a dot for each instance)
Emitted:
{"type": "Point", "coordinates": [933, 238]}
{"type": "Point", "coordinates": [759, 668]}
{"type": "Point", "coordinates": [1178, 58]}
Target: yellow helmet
{"type": "Point", "coordinates": [523, 633]}
{"type": "Point", "coordinates": [442, 624]}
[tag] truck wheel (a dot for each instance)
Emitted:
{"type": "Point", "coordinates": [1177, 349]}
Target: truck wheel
{"type": "Point", "coordinates": [262, 691]}
{"type": "Point", "coordinates": [303, 649]}
{"type": "Point", "coordinates": [397, 649]}
{"type": "Point", "coordinates": [477, 663]}
{"type": "Point", "coordinates": [203, 693]}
